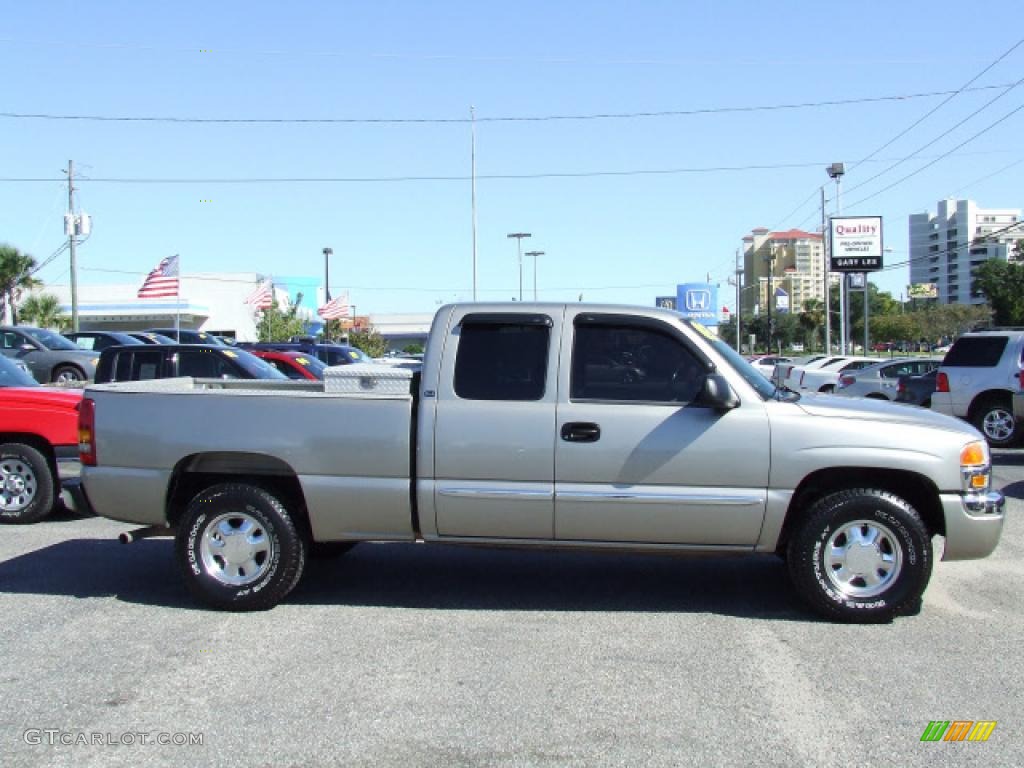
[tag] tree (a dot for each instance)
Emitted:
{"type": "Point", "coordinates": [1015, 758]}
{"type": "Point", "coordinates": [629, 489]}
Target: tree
{"type": "Point", "coordinates": [43, 309]}
{"type": "Point", "coordinates": [810, 320]}
{"type": "Point", "coordinates": [280, 325]}
{"type": "Point", "coordinates": [15, 277]}
{"type": "Point", "coordinates": [1002, 283]}
{"type": "Point", "coordinates": [369, 340]}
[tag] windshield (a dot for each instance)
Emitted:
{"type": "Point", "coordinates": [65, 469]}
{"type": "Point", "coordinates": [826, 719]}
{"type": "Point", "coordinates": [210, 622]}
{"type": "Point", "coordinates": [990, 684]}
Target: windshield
{"type": "Point", "coordinates": [753, 377]}
{"type": "Point", "coordinates": [13, 375]}
{"type": "Point", "coordinates": [49, 339]}
{"type": "Point", "coordinates": [258, 369]}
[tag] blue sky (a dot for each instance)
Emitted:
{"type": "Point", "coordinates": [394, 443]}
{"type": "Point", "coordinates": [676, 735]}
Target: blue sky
{"type": "Point", "coordinates": [406, 245]}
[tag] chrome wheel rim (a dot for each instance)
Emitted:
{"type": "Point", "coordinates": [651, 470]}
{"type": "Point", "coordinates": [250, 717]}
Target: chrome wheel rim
{"type": "Point", "coordinates": [863, 558]}
{"type": "Point", "coordinates": [236, 549]}
{"type": "Point", "coordinates": [998, 424]}
{"type": "Point", "coordinates": [68, 375]}
{"type": "Point", "coordinates": [18, 485]}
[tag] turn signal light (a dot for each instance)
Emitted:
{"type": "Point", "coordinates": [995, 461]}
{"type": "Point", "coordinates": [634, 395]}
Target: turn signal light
{"type": "Point", "coordinates": [973, 455]}
{"type": "Point", "coordinates": [942, 383]}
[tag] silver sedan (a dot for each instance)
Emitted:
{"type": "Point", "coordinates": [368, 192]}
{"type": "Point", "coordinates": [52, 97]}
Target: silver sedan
{"type": "Point", "coordinates": [879, 381]}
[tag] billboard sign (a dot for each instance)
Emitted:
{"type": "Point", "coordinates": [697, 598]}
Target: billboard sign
{"type": "Point", "coordinates": [856, 243]}
{"type": "Point", "coordinates": [923, 291]}
{"type": "Point", "coordinates": [698, 301]}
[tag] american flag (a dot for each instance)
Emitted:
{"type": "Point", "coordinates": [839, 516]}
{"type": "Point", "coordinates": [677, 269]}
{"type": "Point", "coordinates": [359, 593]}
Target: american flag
{"type": "Point", "coordinates": [263, 296]}
{"type": "Point", "coordinates": [162, 281]}
{"type": "Point", "coordinates": [335, 308]}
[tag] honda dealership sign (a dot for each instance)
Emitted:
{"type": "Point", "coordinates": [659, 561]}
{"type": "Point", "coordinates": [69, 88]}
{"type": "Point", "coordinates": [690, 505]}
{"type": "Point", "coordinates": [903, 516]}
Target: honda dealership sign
{"type": "Point", "coordinates": [698, 301]}
{"type": "Point", "coordinates": [856, 243]}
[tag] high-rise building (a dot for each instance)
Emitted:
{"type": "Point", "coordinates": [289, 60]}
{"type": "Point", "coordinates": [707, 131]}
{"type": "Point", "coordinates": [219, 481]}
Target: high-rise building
{"type": "Point", "coordinates": [793, 260]}
{"type": "Point", "coordinates": [945, 247]}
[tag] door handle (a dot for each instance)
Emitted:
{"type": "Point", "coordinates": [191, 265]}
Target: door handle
{"type": "Point", "coordinates": [581, 432]}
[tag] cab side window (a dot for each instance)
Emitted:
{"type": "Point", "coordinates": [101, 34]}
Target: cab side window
{"type": "Point", "coordinates": [623, 362]}
{"type": "Point", "coordinates": [502, 360]}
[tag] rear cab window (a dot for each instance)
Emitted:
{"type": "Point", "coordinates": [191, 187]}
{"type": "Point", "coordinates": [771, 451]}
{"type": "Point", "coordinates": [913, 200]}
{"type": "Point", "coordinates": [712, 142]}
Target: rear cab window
{"type": "Point", "coordinates": [502, 357]}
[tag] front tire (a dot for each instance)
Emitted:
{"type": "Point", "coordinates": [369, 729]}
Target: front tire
{"type": "Point", "coordinates": [994, 419]}
{"type": "Point", "coordinates": [27, 486]}
{"type": "Point", "coordinates": [861, 556]}
{"type": "Point", "coordinates": [67, 374]}
{"type": "Point", "coordinates": [239, 549]}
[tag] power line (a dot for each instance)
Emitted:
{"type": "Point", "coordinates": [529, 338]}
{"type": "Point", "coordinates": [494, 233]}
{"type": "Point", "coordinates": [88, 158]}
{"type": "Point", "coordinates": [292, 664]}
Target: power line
{"type": "Point", "coordinates": [479, 119]}
{"type": "Point", "coordinates": [942, 135]}
{"type": "Point", "coordinates": [984, 130]}
{"type": "Point", "coordinates": [939, 106]}
{"type": "Point", "coordinates": [1004, 169]}
{"type": "Point", "coordinates": [392, 179]}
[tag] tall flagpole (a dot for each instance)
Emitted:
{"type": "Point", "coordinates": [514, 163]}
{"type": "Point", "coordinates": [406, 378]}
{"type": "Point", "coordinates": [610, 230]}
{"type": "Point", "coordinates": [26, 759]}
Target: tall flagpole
{"type": "Point", "coordinates": [472, 154]}
{"type": "Point", "coordinates": [177, 301]}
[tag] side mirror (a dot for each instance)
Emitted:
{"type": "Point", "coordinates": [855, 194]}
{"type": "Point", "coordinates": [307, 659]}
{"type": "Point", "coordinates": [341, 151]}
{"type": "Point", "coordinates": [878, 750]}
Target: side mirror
{"type": "Point", "coordinates": [716, 393]}
{"type": "Point", "coordinates": [26, 347]}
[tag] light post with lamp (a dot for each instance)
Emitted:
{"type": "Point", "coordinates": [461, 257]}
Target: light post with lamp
{"type": "Point", "coordinates": [836, 171]}
{"type": "Point", "coordinates": [519, 250]}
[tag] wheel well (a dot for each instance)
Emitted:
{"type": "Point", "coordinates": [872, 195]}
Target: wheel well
{"type": "Point", "coordinates": [988, 395]}
{"type": "Point", "coordinates": [40, 444]}
{"type": "Point", "coordinates": [195, 473]}
{"type": "Point", "coordinates": [916, 489]}
{"type": "Point", "coordinates": [876, 396]}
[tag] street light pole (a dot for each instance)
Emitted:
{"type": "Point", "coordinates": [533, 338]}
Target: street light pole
{"type": "Point", "coordinates": [836, 171]}
{"type": "Point", "coordinates": [534, 255]}
{"type": "Point", "coordinates": [519, 250]}
{"type": "Point", "coordinates": [327, 283]}
{"type": "Point", "coordinates": [771, 271]}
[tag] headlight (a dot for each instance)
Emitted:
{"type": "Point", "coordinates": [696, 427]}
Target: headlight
{"type": "Point", "coordinates": [975, 467]}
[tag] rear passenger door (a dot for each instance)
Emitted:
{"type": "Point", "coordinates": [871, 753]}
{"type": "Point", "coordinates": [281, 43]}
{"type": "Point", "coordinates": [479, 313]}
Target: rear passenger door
{"type": "Point", "coordinates": [494, 426]}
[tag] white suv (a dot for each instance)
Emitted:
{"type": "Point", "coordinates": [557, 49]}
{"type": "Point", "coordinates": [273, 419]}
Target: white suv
{"type": "Point", "coordinates": [977, 380]}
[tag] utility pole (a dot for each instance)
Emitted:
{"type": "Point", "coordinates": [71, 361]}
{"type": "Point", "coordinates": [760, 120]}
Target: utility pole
{"type": "Point", "coordinates": [739, 307]}
{"type": "Point", "coordinates": [71, 245]}
{"type": "Point", "coordinates": [519, 250]}
{"type": "Point", "coordinates": [771, 271]}
{"type": "Point", "coordinates": [826, 240]}
{"type": "Point", "coordinates": [472, 188]}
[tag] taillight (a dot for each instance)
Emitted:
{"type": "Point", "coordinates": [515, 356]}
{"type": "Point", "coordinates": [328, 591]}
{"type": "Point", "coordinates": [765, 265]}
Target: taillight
{"type": "Point", "coordinates": [942, 383]}
{"type": "Point", "coordinates": [87, 432]}
{"type": "Point", "coordinates": [901, 387]}
{"type": "Point", "coordinates": [845, 381]}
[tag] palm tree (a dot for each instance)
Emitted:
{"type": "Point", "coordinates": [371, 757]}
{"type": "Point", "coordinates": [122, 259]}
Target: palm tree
{"type": "Point", "coordinates": [43, 309]}
{"type": "Point", "coordinates": [15, 276]}
{"type": "Point", "coordinates": [811, 319]}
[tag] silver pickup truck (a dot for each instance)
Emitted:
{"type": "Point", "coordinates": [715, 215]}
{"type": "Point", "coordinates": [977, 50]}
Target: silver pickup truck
{"type": "Point", "coordinates": [544, 425]}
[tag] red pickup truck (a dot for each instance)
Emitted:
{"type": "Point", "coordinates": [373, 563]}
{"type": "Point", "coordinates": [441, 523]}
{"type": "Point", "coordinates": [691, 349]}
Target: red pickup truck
{"type": "Point", "coordinates": [38, 447]}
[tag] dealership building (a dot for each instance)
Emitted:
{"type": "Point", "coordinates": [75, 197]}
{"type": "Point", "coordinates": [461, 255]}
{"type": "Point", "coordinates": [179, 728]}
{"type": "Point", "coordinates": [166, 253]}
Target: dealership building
{"type": "Point", "coordinates": [216, 302]}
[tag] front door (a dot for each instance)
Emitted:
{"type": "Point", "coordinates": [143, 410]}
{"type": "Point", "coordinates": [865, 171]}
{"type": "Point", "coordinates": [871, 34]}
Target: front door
{"type": "Point", "coordinates": [636, 460]}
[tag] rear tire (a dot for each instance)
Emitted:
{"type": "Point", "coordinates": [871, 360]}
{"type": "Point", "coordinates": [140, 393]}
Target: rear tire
{"type": "Point", "coordinates": [27, 486]}
{"type": "Point", "coordinates": [994, 419]}
{"type": "Point", "coordinates": [862, 556]}
{"type": "Point", "coordinates": [239, 549]}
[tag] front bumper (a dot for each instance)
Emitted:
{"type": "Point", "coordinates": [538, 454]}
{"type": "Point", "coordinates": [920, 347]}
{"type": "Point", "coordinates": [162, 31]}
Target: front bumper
{"type": "Point", "coordinates": [974, 523]}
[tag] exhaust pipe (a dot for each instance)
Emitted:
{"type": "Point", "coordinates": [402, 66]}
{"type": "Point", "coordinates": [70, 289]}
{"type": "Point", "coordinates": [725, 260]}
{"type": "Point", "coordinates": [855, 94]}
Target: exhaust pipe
{"type": "Point", "coordinates": [149, 532]}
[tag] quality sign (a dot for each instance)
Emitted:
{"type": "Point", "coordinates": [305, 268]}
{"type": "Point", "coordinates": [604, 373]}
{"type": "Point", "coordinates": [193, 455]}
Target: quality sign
{"type": "Point", "coordinates": [698, 301]}
{"type": "Point", "coordinates": [856, 243]}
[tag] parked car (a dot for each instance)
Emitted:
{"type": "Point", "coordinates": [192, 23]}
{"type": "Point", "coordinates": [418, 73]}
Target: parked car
{"type": "Point", "coordinates": [187, 336]}
{"type": "Point", "coordinates": [97, 341]}
{"type": "Point", "coordinates": [294, 365]}
{"type": "Point", "coordinates": [917, 390]}
{"type": "Point", "coordinates": [766, 365]}
{"type": "Point", "coordinates": [332, 354]}
{"type": "Point", "coordinates": [48, 355]}
{"type": "Point", "coordinates": [163, 361]}
{"type": "Point", "coordinates": [823, 378]}
{"type": "Point", "coordinates": [784, 372]}
{"type": "Point", "coordinates": [508, 437]}
{"type": "Point", "coordinates": [977, 380]}
{"type": "Point", "coordinates": [880, 380]}
{"type": "Point", "coordinates": [150, 338]}
{"type": "Point", "coordinates": [38, 444]}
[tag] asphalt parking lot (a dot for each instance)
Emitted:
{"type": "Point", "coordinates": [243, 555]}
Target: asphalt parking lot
{"type": "Point", "coordinates": [403, 655]}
